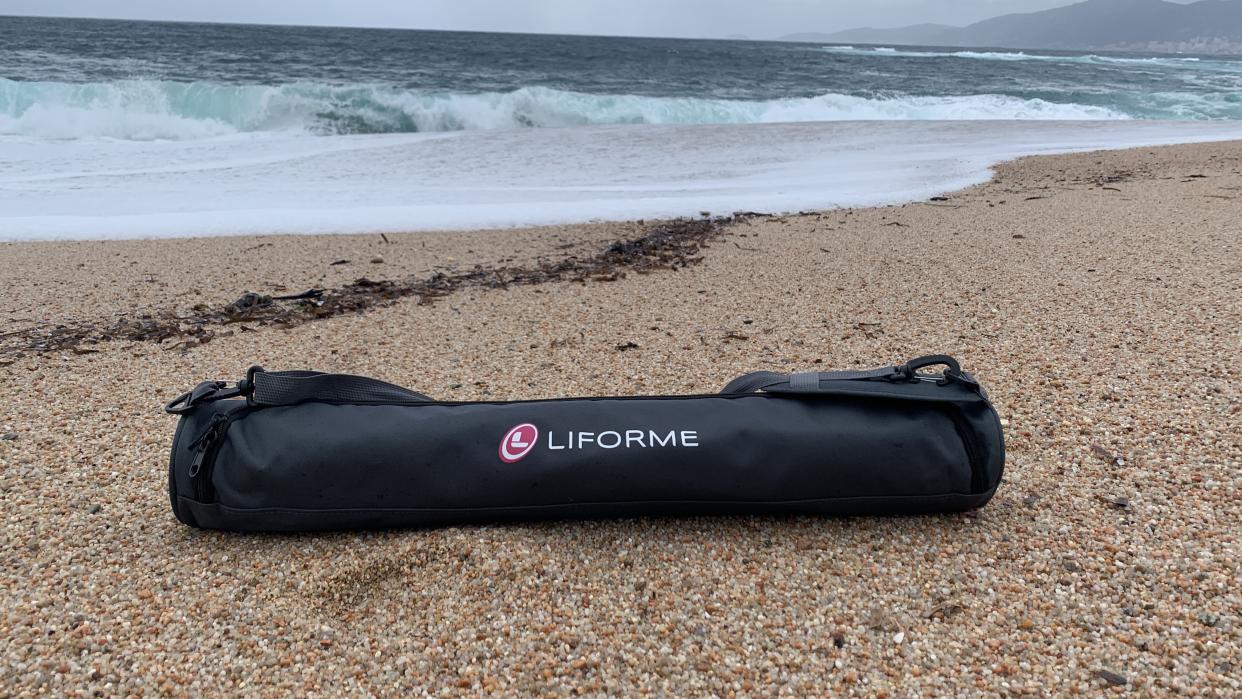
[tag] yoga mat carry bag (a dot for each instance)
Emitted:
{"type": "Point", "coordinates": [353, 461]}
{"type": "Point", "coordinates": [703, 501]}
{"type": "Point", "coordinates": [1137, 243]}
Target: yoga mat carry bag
{"type": "Point", "coordinates": [301, 450]}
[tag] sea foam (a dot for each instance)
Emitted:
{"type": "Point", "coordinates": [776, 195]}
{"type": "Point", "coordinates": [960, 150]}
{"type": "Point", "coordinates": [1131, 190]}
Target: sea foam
{"type": "Point", "coordinates": [162, 110]}
{"type": "Point", "coordinates": [300, 183]}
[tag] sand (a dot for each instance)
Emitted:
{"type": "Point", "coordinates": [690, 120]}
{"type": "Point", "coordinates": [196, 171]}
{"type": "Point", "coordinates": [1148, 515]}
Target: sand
{"type": "Point", "coordinates": [1098, 296]}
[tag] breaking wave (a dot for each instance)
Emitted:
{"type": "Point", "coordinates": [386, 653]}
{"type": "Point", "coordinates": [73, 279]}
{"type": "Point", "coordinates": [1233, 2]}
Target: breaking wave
{"type": "Point", "coordinates": [161, 110]}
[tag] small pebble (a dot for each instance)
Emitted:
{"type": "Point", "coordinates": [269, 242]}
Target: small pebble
{"type": "Point", "coordinates": [1111, 677]}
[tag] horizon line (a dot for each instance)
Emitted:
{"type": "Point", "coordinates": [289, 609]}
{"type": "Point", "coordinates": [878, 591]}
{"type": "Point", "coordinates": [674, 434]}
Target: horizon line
{"type": "Point", "coordinates": [149, 20]}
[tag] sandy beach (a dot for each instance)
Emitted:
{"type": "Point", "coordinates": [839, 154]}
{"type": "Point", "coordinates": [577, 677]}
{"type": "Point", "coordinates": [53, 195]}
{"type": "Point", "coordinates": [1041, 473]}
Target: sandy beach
{"type": "Point", "coordinates": [1097, 296]}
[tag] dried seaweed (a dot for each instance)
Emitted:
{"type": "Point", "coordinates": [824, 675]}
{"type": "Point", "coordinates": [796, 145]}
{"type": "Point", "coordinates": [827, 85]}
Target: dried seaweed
{"type": "Point", "coordinates": [667, 246]}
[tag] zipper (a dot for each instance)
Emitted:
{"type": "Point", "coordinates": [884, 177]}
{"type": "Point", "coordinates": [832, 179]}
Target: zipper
{"type": "Point", "coordinates": [978, 479]}
{"type": "Point", "coordinates": [931, 378]}
{"type": "Point", "coordinates": [172, 470]}
{"type": "Point", "coordinates": [204, 447]}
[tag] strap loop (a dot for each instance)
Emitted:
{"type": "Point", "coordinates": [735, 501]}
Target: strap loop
{"type": "Point", "coordinates": [202, 393]}
{"type": "Point", "coordinates": [912, 366]}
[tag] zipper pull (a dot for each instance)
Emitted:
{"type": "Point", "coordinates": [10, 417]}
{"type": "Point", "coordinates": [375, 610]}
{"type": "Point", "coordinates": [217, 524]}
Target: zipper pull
{"type": "Point", "coordinates": [203, 443]}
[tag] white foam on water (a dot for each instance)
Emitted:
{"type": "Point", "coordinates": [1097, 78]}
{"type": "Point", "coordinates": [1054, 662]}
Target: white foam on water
{"type": "Point", "coordinates": [292, 183]}
{"type": "Point", "coordinates": [148, 110]}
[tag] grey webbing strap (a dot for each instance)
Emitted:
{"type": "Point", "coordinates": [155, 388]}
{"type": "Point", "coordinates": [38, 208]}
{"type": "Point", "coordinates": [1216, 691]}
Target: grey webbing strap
{"type": "Point", "coordinates": [269, 388]}
{"type": "Point", "coordinates": [802, 381]}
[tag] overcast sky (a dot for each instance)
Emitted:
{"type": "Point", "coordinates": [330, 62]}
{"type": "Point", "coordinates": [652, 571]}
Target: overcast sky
{"type": "Point", "coordinates": [759, 19]}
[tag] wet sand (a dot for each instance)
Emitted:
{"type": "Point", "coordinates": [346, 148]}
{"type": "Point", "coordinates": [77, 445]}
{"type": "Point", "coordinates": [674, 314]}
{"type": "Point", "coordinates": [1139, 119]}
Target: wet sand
{"type": "Point", "coordinates": [1098, 296]}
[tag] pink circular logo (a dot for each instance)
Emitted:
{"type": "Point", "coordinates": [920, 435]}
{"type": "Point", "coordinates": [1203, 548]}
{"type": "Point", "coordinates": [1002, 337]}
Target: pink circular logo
{"type": "Point", "coordinates": [518, 442]}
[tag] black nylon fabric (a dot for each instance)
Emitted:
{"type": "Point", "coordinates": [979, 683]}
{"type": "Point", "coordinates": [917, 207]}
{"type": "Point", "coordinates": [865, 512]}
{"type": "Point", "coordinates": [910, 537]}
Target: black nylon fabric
{"type": "Point", "coordinates": [849, 447]}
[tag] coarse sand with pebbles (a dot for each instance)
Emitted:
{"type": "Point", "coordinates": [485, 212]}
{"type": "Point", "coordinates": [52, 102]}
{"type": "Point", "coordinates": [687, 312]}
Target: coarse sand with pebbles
{"type": "Point", "coordinates": [1098, 296]}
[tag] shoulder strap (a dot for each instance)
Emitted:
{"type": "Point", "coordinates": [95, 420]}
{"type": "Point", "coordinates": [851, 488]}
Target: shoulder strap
{"type": "Point", "coordinates": [809, 381]}
{"type": "Point", "coordinates": [271, 388]}
{"type": "Point", "coordinates": [267, 388]}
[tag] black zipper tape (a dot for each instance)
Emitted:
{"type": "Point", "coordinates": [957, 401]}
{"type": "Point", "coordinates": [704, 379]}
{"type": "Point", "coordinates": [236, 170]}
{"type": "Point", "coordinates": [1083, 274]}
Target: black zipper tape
{"type": "Point", "coordinates": [978, 479]}
{"type": "Point", "coordinates": [172, 471]}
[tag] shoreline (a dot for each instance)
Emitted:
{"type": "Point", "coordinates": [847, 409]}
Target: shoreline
{"type": "Point", "coordinates": [290, 263]}
{"type": "Point", "coordinates": [1096, 296]}
{"type": "Point", "coordinates": [275, 265]}
{"type": "Point", "coordinates": [483, 179]}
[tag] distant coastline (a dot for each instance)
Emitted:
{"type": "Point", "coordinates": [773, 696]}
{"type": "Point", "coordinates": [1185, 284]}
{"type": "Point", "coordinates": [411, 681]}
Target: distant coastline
{"type": "Point", "coordinates": [1212, 27]}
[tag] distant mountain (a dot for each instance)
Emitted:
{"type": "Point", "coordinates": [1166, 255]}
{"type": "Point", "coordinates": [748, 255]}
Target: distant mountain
{"type": "Point", "coordinates": [1208, 26]}
{"type": "Point", "coordinates": [918, 34]}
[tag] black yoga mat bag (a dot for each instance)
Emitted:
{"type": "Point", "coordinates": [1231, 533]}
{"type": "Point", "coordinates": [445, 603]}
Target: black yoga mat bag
{"type": "Point", "coordinates": [301, 450]}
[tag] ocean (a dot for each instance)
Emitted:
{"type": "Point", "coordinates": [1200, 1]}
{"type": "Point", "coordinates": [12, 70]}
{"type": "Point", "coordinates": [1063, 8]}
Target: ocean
{"type": "Point", "coordinates": [136, 129]}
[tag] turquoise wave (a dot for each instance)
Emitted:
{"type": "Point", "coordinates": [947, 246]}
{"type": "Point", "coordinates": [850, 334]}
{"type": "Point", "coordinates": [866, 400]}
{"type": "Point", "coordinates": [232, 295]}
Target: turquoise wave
{"type": "Point", "coordinates": [152, 109]}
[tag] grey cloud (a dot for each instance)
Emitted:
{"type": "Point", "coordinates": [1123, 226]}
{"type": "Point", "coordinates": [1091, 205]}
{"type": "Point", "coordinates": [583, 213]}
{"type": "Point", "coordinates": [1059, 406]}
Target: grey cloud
{"type": "Point", "coordinates": [687, 18]}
